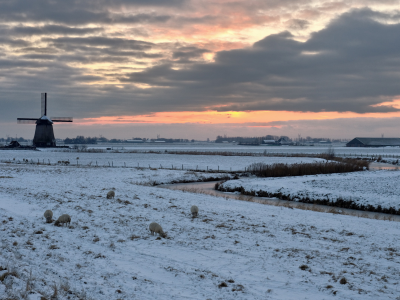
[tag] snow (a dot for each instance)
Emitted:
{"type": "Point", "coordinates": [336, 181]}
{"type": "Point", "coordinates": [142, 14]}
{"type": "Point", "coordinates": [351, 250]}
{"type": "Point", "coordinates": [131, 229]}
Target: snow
{"type": "Point", "coordinates": [339, 149]}
{"type": "Point", "coordinates": [234, 163]}
{"type": "Point", "coordinates": [46, 118]}
{"type": "Point", "coordinates": [108, 252]}
{"type": "Point", "coordinates": [368, 187]}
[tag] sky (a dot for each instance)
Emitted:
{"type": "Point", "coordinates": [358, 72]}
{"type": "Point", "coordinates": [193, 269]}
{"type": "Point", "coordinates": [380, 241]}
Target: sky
{"type": "Point", "coordinates": [200, 68]}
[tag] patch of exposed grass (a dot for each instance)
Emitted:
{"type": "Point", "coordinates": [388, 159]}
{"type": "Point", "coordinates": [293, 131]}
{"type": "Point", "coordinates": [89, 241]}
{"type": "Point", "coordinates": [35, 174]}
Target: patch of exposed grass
{"type": "Point", "coordinates": [304, 267]}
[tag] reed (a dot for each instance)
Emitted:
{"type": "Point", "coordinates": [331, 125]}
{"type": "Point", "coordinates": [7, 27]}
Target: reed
{"type": "Point", "coordinates": [328, 167]}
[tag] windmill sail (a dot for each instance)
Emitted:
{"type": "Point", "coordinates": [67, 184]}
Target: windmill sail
{"type": "Point", "coordinates": [26, 121]}
{"type": "Point", "coordinates": [61, 119]}
{"type": "Point", "coordinates": [44, 104]}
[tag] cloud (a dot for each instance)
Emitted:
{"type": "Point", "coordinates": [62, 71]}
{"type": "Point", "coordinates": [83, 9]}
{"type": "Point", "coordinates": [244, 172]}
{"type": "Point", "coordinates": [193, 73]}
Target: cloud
{"type": "Point", "coordinates": [75, 12]}
{"type": "Point", "coordinates": [90, 70]}
{"type": "Point", "coordinates": [187, 53]}
{"type": "Point", "coordinates": [117, 43]}
{"type": "Point", "coordinates": [350, 65]}
{"type": "Point", "coordinates": [50, 30]}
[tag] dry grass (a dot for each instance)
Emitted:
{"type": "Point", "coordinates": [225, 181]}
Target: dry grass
{"type": "Point", "coordinates": [282, 170]}
{"type": "Point", "coordinates": [304, 267]}
{"type": "Point", "coordinates": [55, 292]}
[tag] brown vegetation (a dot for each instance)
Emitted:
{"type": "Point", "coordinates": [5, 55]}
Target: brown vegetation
{"type": "Point", "coordinates": [328, 167]}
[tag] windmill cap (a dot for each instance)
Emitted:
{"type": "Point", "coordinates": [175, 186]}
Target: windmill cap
{"type": "Point", "coordinates": [46, 118]}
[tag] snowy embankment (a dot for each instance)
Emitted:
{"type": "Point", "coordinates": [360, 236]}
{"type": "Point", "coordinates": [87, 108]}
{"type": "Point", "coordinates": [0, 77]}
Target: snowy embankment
{"type": "Point", "coordinates": [368, 190]}
{"type": "Point", "coordinates": [233, 250]}
{"type": "Point", "coordinates": [146, 160]}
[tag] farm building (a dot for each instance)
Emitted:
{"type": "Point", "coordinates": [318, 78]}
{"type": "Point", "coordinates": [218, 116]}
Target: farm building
{"type": "Point", "coordinates": [373, 142]}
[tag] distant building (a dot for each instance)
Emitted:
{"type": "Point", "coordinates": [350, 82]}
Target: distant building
{"type": "Point", "coordinates": [134, 141]}
{"type": "Point", "coordinates": [269, 142]}
{"type": "Point", "coordinates": [284, 141]}
{"type": "Point", "coordinates": [373, 142]}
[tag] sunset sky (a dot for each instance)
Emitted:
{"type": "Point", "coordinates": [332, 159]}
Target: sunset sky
{"type": "Point", "coordinates": [199, 68]}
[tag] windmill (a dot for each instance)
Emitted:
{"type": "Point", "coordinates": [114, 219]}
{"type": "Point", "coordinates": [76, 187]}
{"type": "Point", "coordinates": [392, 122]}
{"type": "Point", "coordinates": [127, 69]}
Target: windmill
{"type": "Point", "coordinates": [44, 134]}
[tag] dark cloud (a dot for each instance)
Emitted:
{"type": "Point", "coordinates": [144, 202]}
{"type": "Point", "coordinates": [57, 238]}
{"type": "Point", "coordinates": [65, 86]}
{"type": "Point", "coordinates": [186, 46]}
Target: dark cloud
{"type": "Point", "coordinates": [14, 43]}
{"type": "Point", "coordinates": [117, 43]}
{"type": "Point", "coordinates": [187, 53]}
{"type": "Point", "coordinates": [51, 29]}
{"type": "Point", "coordinates": [352, 64]}
{"type": "Point", "coordinates": [298, 24]}
{"type": "Point", "coordinates": [76, 12]}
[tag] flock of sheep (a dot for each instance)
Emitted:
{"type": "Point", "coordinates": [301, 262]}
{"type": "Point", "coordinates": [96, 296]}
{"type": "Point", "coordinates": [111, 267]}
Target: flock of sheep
{"type": "Point", "coordinates": [65, 218]}
{"type": "Point", "coordinates": [153, 227]}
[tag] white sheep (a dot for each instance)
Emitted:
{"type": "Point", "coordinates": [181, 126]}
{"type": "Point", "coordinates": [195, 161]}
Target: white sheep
{"type": "Point", "coordinates": [110, 194]}
{"type": "Point", "coordinates": [195, 211]}
{"type": "Point", "coordinates": [156, 228]}
{"type": "Point", "coordinates": [48, 214]}
{"type": "Point", "coordinates": [65, 218]}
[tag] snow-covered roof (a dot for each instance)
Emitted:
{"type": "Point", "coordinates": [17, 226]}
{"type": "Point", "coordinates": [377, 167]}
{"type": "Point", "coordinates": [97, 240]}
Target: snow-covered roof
{"type": "Point", "coordinates": [377, 141]}
{"type": "Point", "coordinates": [46, 118]}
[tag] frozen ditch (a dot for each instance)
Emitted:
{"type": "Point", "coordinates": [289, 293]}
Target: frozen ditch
{"type": "Point", "coordinates": [208, 188]}
{"type": "Point", "coordinates": [375, 191]}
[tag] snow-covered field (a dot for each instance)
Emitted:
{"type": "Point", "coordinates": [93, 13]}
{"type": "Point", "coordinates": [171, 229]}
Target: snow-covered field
{"type": "Point", "coordinates": [234, 163]}
{"type": "Point", "coordinates": [233, 250]}
{"type": "Point", "coordinates": [368, 187]}
{"type": "Point", "coordinates": [340, 149]}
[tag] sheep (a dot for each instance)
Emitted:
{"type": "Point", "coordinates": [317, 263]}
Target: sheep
{"type": "Point", "coordinates": [48, 214]}
{"type": "Point", "coordinates": [155, 228]}
{"type": "Point", "coordinates": [110, 194]}
{"type": "Point", "coordinates": [65, 218]}
{"type": "Point", "coordinates": [195, 211]}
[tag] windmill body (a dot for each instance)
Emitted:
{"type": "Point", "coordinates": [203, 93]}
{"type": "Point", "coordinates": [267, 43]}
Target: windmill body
{"type": "Point", "coordinates": [44, 133]}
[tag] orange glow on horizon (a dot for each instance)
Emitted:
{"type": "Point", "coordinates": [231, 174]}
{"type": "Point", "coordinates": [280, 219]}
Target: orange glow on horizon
{"type": "Point", "coordinates": [257, 118]}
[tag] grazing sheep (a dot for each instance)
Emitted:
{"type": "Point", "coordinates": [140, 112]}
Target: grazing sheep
{"type": "Point", "coordinates": [195, 211]}
{"type": "Point", "coordinates": [65, 218]}
{"type": "Point", "coordinates": [110, 194]}
{"type": "Point", "coordinates": [48, 214]}
{"type": "Point", "coordinates": [155, 228]}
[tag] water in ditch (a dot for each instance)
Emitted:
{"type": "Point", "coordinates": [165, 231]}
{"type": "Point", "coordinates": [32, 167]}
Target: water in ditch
{"type": "Point", "coordinates": [209, 189]}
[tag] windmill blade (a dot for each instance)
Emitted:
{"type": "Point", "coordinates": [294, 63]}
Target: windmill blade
{"type": "Point", "coordinates": [44, 104]}
{"type": "Point", "coordinates": [61, 119]}
{"type": "Point", "coordinates": [26, 121]}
